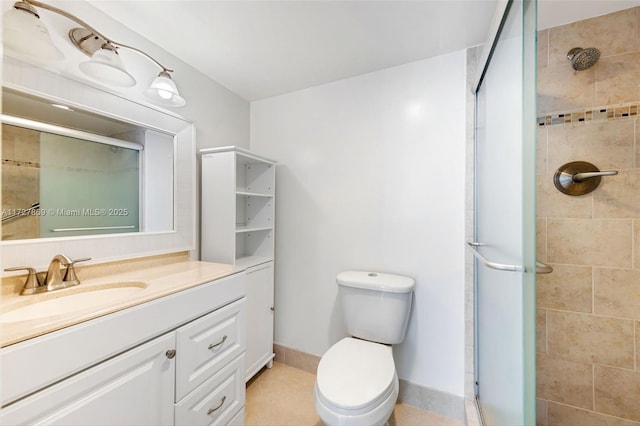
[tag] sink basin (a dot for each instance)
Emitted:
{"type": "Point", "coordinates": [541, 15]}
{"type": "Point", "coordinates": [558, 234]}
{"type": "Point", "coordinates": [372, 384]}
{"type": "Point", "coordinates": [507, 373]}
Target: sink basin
{"type": "Point", "coordinates": [63, 302]}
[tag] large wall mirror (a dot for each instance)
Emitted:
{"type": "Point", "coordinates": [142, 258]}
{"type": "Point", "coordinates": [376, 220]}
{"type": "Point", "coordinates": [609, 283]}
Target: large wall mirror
{"type": "Point", "coordinates": [67, 172]}
{"type": "Point", "coordinates": [90, 173]}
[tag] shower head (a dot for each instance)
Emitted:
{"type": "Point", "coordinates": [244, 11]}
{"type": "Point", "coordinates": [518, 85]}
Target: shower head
{"type": "Point", "coordinates": [582, 59]}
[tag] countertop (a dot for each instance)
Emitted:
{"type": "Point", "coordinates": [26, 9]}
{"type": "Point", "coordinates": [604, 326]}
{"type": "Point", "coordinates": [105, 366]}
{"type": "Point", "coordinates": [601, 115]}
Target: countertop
{"type": "Point", "coordinates": [154, 280]}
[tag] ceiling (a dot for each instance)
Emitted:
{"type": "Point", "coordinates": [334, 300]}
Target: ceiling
{"type": "Point", "coordinates": [265, 48]}
{"type": "Point", "coordinates": [259, 49]}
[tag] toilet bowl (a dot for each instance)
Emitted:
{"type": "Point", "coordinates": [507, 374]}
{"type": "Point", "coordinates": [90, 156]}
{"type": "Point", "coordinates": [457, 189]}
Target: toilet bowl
{"type": "Point", "coordinates": [356, 382]}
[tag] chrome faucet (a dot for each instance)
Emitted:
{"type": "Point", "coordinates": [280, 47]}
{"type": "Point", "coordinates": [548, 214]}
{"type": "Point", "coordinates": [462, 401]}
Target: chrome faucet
{"type": "Point", "coordinates": [54, 279]}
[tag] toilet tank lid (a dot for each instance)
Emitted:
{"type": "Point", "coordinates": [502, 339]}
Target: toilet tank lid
{"type": "Point", "coordinates": [378, 281]}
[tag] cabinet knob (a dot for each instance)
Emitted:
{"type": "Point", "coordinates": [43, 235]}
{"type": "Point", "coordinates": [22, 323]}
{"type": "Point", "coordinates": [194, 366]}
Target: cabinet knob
{"type": "Point", "coordinates": [170, 353]}
{"type": "Point", "coordinates": [272, 308]}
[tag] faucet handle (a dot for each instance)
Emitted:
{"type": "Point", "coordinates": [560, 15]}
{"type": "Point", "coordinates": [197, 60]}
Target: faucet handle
{"type": "Point", "coordinates": [32, 283]}
{"type": "Point", "coordinates": [70, 274]}
{"type": "Point", "coordinates": [74, 261]}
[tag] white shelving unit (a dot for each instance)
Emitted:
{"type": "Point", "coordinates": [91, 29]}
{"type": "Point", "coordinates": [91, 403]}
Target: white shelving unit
{"type": "Point", "coordinates": [237, 227]}
{"type": "Point", "coordinates": [238, 206]}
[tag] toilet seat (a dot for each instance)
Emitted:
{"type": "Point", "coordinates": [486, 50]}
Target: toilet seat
{"type": "Point", "coordinates": [355, 376]}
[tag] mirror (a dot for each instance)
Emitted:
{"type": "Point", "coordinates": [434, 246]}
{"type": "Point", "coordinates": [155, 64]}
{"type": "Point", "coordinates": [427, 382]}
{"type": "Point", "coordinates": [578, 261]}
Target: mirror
{"type": "Point", "coordinates": [69, 172]}
{"type": "Point", "coordinates": [84, 98]}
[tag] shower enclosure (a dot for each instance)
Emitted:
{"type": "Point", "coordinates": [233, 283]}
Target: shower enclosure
{"type": "Point", "coordinates": [558, 349]}
{"type": "Point", "coordinates": [504, 244]}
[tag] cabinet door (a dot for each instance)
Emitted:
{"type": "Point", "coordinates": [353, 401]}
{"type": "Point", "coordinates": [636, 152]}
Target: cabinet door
{"type": "Point", "coordinates": [259, 288]}
{"type": "Point", "coordinates": [134, 388]}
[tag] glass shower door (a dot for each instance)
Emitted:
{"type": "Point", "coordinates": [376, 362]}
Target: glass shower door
{"type": "Point", "coordinates": [505, 223]}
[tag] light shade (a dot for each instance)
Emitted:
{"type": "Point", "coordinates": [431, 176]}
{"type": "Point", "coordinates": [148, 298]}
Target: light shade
{"type": "Point", "coordinates": [25, 37]}
{"type": "Point", "coordinates": [163, 91]}
{"type": "Point", "coordinates": [107, 67]}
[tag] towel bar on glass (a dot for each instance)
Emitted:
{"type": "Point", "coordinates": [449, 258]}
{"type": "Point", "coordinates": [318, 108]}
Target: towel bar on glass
{"type": "Point", "coordinates": [541, 268]}
{"type": "Point", "coordinates": [22, 212]}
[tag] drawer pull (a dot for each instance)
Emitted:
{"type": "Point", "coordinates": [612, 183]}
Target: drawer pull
{"type": "Point", "coordinates": [212, 410]}
{"type": "Point", "coordinates": [213, 345]}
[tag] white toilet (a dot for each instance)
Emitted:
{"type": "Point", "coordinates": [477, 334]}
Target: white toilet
{"type": "Point", "coordinates": [357, 384]}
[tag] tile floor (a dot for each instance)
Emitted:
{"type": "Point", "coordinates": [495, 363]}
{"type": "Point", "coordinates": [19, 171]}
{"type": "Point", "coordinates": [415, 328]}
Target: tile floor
{"type": "Point", "coordinates": [283, 396]}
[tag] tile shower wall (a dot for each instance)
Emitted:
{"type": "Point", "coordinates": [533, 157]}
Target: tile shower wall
{"type": "Point", "coordinates": [20, 180]}
{"type": "Point", "coordinates": [588, 317]}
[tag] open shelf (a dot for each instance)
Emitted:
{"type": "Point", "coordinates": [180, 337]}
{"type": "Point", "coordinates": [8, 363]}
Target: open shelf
{"type": "Point", "coordinates": [243, 228]}
{"type": "Point", "coordinates": [238, 205]}
{"type": "Point", "coordinates": [253, 194]}
{"type": "Point", "coordinates": [249, 261]}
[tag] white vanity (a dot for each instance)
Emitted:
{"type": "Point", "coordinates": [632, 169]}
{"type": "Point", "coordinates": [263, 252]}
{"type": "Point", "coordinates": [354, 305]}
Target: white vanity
{"type": "Point", "coordinates": [171, 353]}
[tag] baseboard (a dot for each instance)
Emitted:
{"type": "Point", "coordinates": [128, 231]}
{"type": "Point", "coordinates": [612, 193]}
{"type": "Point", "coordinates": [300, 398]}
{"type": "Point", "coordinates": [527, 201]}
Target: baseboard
{"type": "Point", "coordinates": [471, 411]}
{"type": "Point", "coordinates": [435, 401]}
{"type": "Point", "coordinates": [295, 358]}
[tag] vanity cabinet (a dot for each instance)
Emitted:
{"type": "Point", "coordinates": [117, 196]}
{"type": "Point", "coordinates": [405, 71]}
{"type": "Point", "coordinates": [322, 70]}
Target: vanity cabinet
{"type": "Point", "coordinates": [187, 367]}
{"type": "Point", "coordinates": [135, 388]}
{"type": "Point", "coordinates": [238, 227]}
{"type": "Point", "coordinates": [260, 308]}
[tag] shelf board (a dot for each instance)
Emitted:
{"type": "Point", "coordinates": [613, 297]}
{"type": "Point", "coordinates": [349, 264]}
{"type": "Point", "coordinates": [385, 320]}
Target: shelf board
{"type": "Point", "coordinates": [249, 261]}
{"type": "Point", "coordinates": [253, 194]}
{"type": "Point", "coordinates": [242, 229]}
{"type": "Point", "coordinates": [243, 155]}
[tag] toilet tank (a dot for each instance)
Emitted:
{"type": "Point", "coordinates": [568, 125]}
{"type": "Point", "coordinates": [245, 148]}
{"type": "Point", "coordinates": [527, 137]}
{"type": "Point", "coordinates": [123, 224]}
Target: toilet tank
{"type": "Point", "coordinates": [375, 305]}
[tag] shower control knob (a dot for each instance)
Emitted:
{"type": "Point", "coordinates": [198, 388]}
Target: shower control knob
{"type": "Point", "coordinates": [579, 177]}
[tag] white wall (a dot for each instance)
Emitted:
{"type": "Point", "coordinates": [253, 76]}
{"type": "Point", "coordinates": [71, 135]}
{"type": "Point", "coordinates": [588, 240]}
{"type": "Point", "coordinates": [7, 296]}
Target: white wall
{"type": "Point", "coordinates": [371, 176]}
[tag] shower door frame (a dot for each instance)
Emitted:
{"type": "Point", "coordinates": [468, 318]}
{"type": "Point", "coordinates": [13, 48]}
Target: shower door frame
{"type": "Point", "coordinates": [528, 268]}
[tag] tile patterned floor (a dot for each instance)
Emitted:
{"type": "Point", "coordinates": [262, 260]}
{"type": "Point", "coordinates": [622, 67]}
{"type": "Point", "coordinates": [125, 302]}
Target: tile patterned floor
{"type": "Point", "coordinates": [283, 396]}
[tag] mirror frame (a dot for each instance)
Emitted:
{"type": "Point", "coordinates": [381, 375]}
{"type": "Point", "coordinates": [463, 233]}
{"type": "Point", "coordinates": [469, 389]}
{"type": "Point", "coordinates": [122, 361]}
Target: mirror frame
{"type": "Point", "coordinates": [37, 253]}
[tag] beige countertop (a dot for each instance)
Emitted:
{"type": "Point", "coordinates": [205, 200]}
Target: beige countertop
{"type": "Point", "coordinates": [140, 282]}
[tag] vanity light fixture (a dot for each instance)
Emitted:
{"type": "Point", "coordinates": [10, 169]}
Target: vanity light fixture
{"type": "Point", "coordinates": [25, 36]}
{"type": "Point", "coordinates": [164, 91]}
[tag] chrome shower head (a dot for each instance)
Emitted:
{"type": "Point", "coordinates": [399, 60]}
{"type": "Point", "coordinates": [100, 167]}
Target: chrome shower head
{"type": "Point", "coordinates": [582, 59]}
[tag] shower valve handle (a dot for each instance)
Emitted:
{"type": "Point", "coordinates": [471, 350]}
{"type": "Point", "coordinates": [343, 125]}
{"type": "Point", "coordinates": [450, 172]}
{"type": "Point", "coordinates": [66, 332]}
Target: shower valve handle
{"type": "Point", "coordinates": [579, 177]}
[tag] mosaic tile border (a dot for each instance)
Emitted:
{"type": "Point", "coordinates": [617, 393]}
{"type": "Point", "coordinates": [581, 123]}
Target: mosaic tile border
{"type": "Point", "coordinates": [6, 162]}
{"type": "Point", "coordinates": [612, 112]}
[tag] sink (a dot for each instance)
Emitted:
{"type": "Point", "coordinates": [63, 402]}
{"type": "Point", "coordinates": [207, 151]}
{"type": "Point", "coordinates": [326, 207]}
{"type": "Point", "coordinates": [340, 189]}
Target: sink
{"type": "Point", "coordinates": [63, 302]}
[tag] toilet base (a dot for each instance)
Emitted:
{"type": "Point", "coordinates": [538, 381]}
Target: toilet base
{"type": "Point", "coordinates": [378, 416]}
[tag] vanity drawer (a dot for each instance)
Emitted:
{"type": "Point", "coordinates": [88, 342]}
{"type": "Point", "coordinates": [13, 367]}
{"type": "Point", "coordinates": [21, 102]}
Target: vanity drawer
{"type": "Point", "coordinates": [218, 401]}
{"type": "Point", "coordinates": [207, 344]}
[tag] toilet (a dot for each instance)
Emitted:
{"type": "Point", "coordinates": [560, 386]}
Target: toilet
{"type": "Point", "coordinates": [356, 383]}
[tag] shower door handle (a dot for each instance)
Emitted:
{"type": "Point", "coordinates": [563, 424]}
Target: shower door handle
{"type": "Point", "coordinates": [489, 264]}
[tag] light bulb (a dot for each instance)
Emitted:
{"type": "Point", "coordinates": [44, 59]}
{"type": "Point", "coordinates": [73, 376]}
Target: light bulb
{"type": "Point", "coordinates": [164, 94]}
